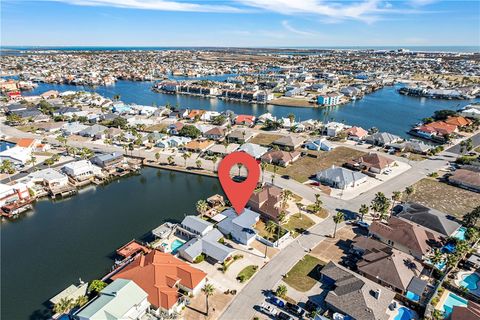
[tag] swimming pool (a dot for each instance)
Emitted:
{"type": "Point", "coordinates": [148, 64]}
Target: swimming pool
{"type": "Point", "coordinates": [176, 245]}
{"type": "Point", "coordinates": [451, 301]}
{"type": "Point", "coordinates": [4, 145]}
{"type": "Point", "coordinates": [460, 234]}
{"type": "Point", "coordinates": [412, 296]}
{"type": "Point", "coordinates": [470, 281]}
{"type": "Point", "coordinates": [404, 314]}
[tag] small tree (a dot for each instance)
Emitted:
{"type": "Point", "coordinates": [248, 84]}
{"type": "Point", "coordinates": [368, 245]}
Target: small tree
{"type": "Point", "coordinates": [63, 305]}
{"type": "Point", "coordinates": [198, 163]}
{"type": "Point", "coordinates": [171, 160]}
{"type": "Point", "coordinates": [96, 286]}
{"type": "Point", "coordinates": [157, 156]}
{"type": "Point", "coordinates": [470, 219]}
{"type": "Point", "coordinates": [202, 207]}
{"type": "Point", "coordinates": [81, 301]}
{"type": "Point", "coordinates": [281, 291]}
{"type": "Point", "coordinates": [185, 156]}
{"type": "Point", "coordinates": [409, 191]}
{"type": "Point", "coordinates": [214, 161]}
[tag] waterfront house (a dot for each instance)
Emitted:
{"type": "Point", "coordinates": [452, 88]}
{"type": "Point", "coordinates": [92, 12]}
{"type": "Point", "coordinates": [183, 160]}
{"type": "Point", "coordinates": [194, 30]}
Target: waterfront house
{"type": "Point", "coordinates": [332, 129]}
{"type": "Point", "coordinates": [81, 170]}
{"type": "Point", "coordinates": [330, 99]}
{"type": "Point", "coordinates": [319, 144]}
{"type": "Point", "coordinates": [406, 236]}
{"type": "Point", "coordinates": [382, 138]}
{"type": "Point", "coordinates": [253, 149]}
{"type": "Point", "coordinates": [471, 111]}
{"type": "Point", "coordinates": [50, 94]}
{"type": "Point", "coordinates": [466, 178]}
{"type": "Point", "coordinates": [240, 136]}
{"type": "Point", "coordinates": [356, 133]}
{"type": "Point", "coordinates": [122, 299]}
{"type": "Point", "coordinates": [266, 117]}
{"type": "Point", "coordinates": [341, 178]}
{"type": "Point", "coordinates": [48, 177]}
{"type": "Point", "coordinates": [417, 146]}
{"type": "Point", "coordinates": [289, 142]}
{"type": "Point", "coordinates": [13, 193]}
{"type": "Point", "coordinates": [72, 292]}
{"type": "Point", "coordinates": [163, 276]}
{"type": "Point", "coordinates": [107, 159]}
{"type": "Point", "coordinates": [267, 201]}
{"type": "Point", "coordinates": [245, 119]}
{"type": "Point", "coordinates": [239, 227]}
{"type": "Point", "coordinates": [353, 295]}
{"type": "Point", "coordinates": [280, 157]}
{"type": "Point", "coordinates": [436, 129]}
{"type": "Point", "coordinates": [427, 217]}
{"type": "Point", "coordinates": [458, 121]}
{"type": "Point", "coordinates": [194, 226]}
{"type": "Point", "coordinates": [208, 245]}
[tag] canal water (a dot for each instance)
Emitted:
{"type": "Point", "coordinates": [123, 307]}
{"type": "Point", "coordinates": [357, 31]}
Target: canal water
{"type": "Point", "coordinates": [48, 249]}
{"type": "Point", "coordinates": [384, 109]}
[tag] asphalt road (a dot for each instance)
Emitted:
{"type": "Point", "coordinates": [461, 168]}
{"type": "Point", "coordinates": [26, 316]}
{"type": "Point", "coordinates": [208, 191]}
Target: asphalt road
{"type": "Point", "coordinates": [456, 148]}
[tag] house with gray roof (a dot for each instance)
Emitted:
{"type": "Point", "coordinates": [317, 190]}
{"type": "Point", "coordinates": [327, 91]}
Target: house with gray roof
{"type": "Point", "coordinates": [341, 178]}
{"type": "Point", "coordinates": [207, 245]}
{"type": "Point", "coordinates": [253, 149]}
{"type": "Point", "coordinates": [428, 217]}
{"type": "Point", "coordinates": [70, 128]}
{"type": "Point", "coordinates": [107, 159]}
{"type": "Point", "coordinates": [289, 142]}
{"type": "Point", "coordinates": [382, 138]}
{"type": "Point", "coordinates": [122, 299]}
{"type": "Point", "coordinates": [353, 295]}
{"type": "Point", "coordinates": [96, 131]}
{"type": "Point", "coordinates": [240, 227]}
{"type": "Point", "coordinates": [194, 226]}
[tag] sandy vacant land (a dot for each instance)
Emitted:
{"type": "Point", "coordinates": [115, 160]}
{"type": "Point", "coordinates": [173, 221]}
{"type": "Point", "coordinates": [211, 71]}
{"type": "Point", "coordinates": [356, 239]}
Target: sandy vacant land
{"type": "Point", "coordinates": [444, 197]}
{"type": "Point", "coordinates": [265, 139]}
{"type": "Point", "coordinates": [292, 102]}
{"type": "Point", "coordinates": [307, 166]}
{"type": "Point", "coordinates": [333, 249]}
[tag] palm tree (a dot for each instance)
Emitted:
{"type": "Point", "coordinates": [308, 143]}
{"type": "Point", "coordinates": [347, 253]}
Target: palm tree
{"type": "Point", "coordinates": [396, 197]}
{"type": "Point", "coordinates": [435, 259]}
{"type": "Point", "coordinates": [409, 191]}
{"type": "Point", "coordinates": [185, 156]}
{"type": "Point", "coordinates": [338, 218]}
{"type": "Point", "coordinates": [263, 166]}
{"type": "Point", "coordinates": [63, 305]}
{"type": "Point", "coordinates": [281, 291]}
{"type": "Point", "coordinates": [171, 160]}
{"type": "Point", "coordinates": [380, 205]}
{"type": "Point", "coordinates": [214, 161]}
{"type": "Point", "coordinates": [81, 301]}
{"type": "Point", "coordinates": [62, 140]}
{"type": "Point", "coordinates": [318, 203]}
{"type": "Point", "coordinates": [202, 207]}
{"type": "Point", "coordinates": [157, 156]}
{"type": "Point", "coordinates": [198, 163]}
{"type": "Point", "coordinates": [363, 211]}
{"type": "Point", "coordinates": [286, 195]}
{"type": "Point", "coordinates": [208, 289]}
{"type": "Point", "coordinates": [239, 166]}
{"type": "Point", "coordinates": [270, 227]}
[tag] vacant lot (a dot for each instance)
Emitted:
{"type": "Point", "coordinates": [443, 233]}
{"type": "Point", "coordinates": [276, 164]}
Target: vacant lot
{"type": "Point", "coordinates": [444, 197]}
{"type": "Point", "coordinates": [333, 249]}
{"type": "Point", "coordinates": [265, 139]}
{"type": "Point", "coordinates": [307, 166]}
{"type": "Point", "coordinates": [156, 127]}
{"type": "Point", "coordinates": [297, 223]}
{"type": "Point", "coordinates": [304, 274]}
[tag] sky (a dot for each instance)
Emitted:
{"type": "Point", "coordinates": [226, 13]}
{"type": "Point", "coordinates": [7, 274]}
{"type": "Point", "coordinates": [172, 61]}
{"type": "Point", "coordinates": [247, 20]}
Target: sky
{"type": "Point", "coordinates": [240, 23]}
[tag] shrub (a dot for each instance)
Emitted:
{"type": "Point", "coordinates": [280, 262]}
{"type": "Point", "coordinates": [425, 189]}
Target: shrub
{"type": "Point", "coordinates": [199, 259]}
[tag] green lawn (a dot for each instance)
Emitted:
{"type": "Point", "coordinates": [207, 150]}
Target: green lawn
{"type": "Point", "coordinates": [247, 273]}
{"type": "Point", "coordinates": [305, 274]}
{"type": "Point", "coordinates": [260, 227]}
{"type": "Point", "coordinates": [297, 223]}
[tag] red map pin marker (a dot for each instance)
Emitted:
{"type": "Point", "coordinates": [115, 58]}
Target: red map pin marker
{"type": "Point", "coordinates": [238, 192]}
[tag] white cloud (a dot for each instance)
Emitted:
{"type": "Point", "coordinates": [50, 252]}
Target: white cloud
{"type": "Point", "coordinates": [162, 5]}
{"type": "Point", "coordinates": [287, 26]}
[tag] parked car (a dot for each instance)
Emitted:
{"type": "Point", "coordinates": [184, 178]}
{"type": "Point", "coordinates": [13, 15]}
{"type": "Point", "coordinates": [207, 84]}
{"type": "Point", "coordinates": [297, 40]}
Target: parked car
{"type": "Point", "coordinates": [293, 308]}
{"type": "Point", "coordinates": [277, 302]}
{"type": "Point", "coordinates": [362, 224]}
{"type": "Point", "coordinates": [283, 316]}
{"type": "Point", "coordinates": [269, 309]}
{"type": "Point", "coordinates": [286, 176]}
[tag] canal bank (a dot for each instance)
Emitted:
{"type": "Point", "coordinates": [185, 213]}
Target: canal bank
{"type": "Point", "coordinates": [59, 242]}
{"type": "Point", "coordinates": [385, 109]}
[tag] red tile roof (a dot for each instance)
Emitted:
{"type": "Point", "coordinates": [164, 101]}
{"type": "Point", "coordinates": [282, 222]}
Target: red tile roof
{"type": "Point", "coordinates": [157, 273]}
{"type": "Point", "coordinates": [25, 142]}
